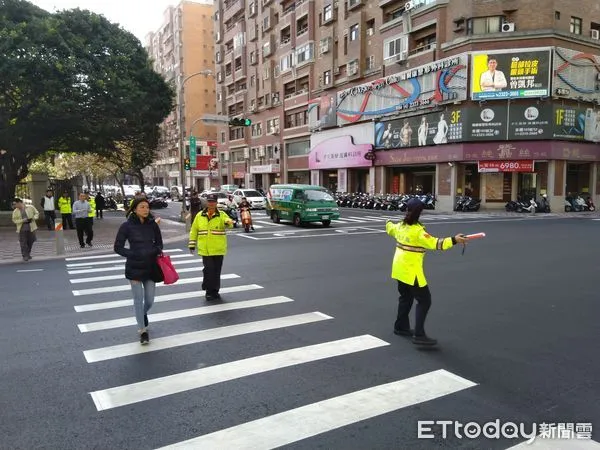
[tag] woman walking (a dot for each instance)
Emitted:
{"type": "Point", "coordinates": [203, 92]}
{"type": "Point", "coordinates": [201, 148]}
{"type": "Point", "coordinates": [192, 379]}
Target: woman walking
{"type": "Point", "coordinates": [141, 269]}
{"type": "Point", "coordinates": [411, 243]}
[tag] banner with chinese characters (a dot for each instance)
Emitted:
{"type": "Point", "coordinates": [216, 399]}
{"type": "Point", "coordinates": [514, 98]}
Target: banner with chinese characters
{"type": "Point", "coordinates": [440, 82]}
{"type": "Point", "coordinates": [529, 121]}
{"type": "Point", "coordinates": [339, 153]}
{"type": "Point", "coordinates": [505, 166]}
{"type": "Point", "coordinates": [486, 123]}
{"type": "Point", "coordinates": [569, 122]}
{"type": "Point", "coordinates": [575, 75]}
{"type": "Point", "coordinates": [514, 73]}
{"type": "Point", "coordinates": [592, 125]}
{"type": "Point", "coordinates": [419, 131]}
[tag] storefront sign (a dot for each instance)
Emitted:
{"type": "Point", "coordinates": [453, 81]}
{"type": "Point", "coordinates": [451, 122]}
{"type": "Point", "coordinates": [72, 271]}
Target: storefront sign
{"type": "Point", "coordinates": [440, 82]}
{"type": "Point", "coordinates": [206, 163]}
{"type": "Point", "coordinates": [575, 75]}
{"type": "Point", "coordinates": [211, 143]}
{"type": "Point", "coordinates": [486, 123]}
{"type": "Point", "coordinates": [238, 175]}
{"type": "Point", "coordinates": [173, 174]}
{"type": "Point", "coordinates": [592, 125]}
{"type": "Point", "coordinates": [266, 168]}
{"type": "Point", "coordinates": [205, 173]}
{"type": "Point", "coordinates": [502, 74]}
{"type": "Point", "coordinates": [339, 152]}
{"type": "Point", "coordinates": [418, 131]}
{"type": "Point", "coordinates": [569, 122]}
{"type": "Point", "coordinates": [529, 121]}
{"type": "Point", "coordinates": [505, 166]}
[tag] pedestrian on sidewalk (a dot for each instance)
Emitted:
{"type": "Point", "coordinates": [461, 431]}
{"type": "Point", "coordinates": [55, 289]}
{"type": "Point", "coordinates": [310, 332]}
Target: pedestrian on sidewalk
{"type": "Point", "coordinates": [195, 205]}
{"type": "Point", "coordinates": [81, 210]}
{"type": "Point", "coordinates": [48, 206]}
{"type": "Point", "coordinates": [90, 219]}
{"type": "Point", "coordinates": [141, 268]}
{"type": "Point", "coordinates": [100, 205]}
{"type": "Point", "coordinates": [24, 217]}
{"type": "Point", "coordinates": [208, 235]}
{"type": "Point", "coordinates": [412, 242]}
{"type": "Point", "coordinates": [64, 206]}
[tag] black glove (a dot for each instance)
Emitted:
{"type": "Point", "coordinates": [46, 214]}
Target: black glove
{"type": "Point", "coordinates": [192, 249]}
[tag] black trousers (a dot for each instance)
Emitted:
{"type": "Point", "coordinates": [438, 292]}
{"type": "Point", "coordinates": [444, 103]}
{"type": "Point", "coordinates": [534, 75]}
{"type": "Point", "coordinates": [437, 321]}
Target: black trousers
{"type": "Point", "coordinates": [99, 214]}
{"type": "Point", "coordinates": [67, 220]}
{"type": "Point", "coordinates": [212, 274]}
{"type": "Point", "coordinates": [49, 218]}
{"type": "Point", "coordinates": [408, 294]}
{"type": "Point", "coordinates": [85, 225]}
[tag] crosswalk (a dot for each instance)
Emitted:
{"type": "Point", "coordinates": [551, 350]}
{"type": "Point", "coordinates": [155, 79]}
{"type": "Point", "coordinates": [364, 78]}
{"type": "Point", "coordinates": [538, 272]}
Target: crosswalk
{"type": "Point", "coordinates": [103, 306]}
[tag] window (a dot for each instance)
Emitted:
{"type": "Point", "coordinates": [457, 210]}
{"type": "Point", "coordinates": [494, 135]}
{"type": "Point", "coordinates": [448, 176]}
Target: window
{"type": "Point", "coordinates": [395, 46]}
{"type": "Point", "coordinates": [298, 148]}
{"type": "Point", "coordinates": [370, 63]}
{"type": "Point", "coordinates": [327, 78]}
{"type": "Point", "coordinates": [327, 13]}
{"type": "Point", "coordinates": [222, 137]}
{"type": "Point", "coordinates": [575, 26]}
{"type": "Point", "coordinates": [257, 129]}
{"type": "Point", "coordinates": [287, 62]}
{"type": "Point", "coordinates": [305, 53]}
{"type": "Point", "coordinates": [252, 80]}
{"type": "Point", "coordinates": [354, 32]}
{"type": "Point", "coordinates": [484, 25]}
{"type": "Point", "coordinates": [273, 125]}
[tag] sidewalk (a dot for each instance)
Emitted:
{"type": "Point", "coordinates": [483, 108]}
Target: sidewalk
{"type": "Point", "coordinates": [105, 231]}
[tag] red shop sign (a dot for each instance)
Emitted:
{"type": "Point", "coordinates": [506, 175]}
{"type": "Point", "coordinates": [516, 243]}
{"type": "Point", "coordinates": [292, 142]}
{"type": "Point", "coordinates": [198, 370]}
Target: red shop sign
{"type": "Point", "coordinates": [505, 166]}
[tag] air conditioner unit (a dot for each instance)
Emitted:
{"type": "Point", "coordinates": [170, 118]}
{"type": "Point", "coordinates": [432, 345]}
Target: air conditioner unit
{"type": "Point", "coordinates": [403, 55]}
{"type": "Point", "coordinates": [324, 47]}
{"type": "Point", "coordinates": [252, 108]}
{"type": "Point", "coordinates": [336, 71]}
{"type": "Point", "coordinates": [508, 27]}
{"type": "Point", "coordinates": [274, 130]}
{"type": "Point", "coordinates": [370, 31]}
{"type": "Point", "coordinates": [595, 34]}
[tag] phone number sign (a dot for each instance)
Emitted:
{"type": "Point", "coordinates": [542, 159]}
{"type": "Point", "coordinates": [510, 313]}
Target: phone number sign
{"type": "Point", "coordinates": [505, 166]}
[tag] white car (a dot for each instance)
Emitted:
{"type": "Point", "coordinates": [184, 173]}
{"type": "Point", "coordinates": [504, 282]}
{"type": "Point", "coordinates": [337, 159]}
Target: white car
{"type": "Point", "coordinates": [256, 200]}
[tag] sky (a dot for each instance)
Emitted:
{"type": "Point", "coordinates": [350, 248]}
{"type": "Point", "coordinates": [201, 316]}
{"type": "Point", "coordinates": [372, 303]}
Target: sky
{"type": "Point", "coordinates": [137, 16]}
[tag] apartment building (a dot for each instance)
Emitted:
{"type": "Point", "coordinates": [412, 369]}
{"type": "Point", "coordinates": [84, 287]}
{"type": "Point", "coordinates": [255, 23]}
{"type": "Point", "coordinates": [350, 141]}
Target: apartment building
{"type": "Point", "coordinates": [493, 99]}
{"type": "Point", "coordinates": [183, 46]}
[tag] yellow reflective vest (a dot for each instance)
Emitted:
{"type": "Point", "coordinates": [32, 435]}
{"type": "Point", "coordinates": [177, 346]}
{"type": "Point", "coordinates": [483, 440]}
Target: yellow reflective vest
{"type": "Point", "coordinates": [92, 202]}
{"type": "Point", "coordinates": [411, 243]}
{"type": "Point", "coordinates": [208, 236]}
{"type": "Point", "coordinates": [64, 205]}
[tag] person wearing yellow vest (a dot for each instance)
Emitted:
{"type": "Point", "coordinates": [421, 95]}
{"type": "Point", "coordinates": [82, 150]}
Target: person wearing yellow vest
{"type": "Point", "coordinates": [64, 206]}
{"type": "Point", "coordinates": [208, 236]}
{"type": "Point", "coordinates": [412, 241]}
{"type": "Point", "coordinates": [90, 219]}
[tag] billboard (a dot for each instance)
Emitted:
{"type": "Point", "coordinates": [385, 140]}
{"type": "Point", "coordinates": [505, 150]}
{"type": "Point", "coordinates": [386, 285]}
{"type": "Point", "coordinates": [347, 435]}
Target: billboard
{"type": "Point", "coordinates": [339, 152]}
{"type": "Point", "coordinates": [439, 82]}
{"type": "Point", "coordinates": [514, 73]}
{"type": "Point", "coordinates": [486, 123]}
{"type": "Point", "coordinates": [322, 111]}
{"type": "Point", "coordinates": [505, 166]}
{"type": "Point", "coordinates": [529, 121]}
{"type": "Point", "coordinates": [418, 131]}
{"type": "Point", "coordinates": [592, 125]}
{"type": "Point", "coordinates": [569, 122]}
{"type": "Point", "coordinates": [576, 75]}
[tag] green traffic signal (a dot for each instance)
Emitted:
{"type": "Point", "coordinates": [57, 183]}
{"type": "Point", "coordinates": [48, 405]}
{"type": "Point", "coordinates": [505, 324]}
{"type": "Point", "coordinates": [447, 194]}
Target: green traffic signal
{"type": "Point", "coordinates": [186, 164]}
{"type": "Point", "coordinates": [240, 122]}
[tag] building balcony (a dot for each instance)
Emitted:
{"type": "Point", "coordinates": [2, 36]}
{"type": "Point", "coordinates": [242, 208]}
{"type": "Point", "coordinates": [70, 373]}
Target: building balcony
{"type": "Point", "coordinates": [295, 99]}
{"type": "Point", "coordinates": [302, 8]}
{"type": "Point", "coordinates": [232, 8]}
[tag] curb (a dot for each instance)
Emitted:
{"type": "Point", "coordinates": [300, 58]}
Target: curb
{"type": "Point", "coordinates": [92, 252]}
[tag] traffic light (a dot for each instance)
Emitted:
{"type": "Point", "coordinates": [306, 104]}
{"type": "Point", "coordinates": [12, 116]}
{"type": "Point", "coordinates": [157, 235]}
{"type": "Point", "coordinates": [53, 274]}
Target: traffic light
{"type": "Point", "coordinates": [186, 163]}
{"type": "Point", "coordinates": [240, 122]}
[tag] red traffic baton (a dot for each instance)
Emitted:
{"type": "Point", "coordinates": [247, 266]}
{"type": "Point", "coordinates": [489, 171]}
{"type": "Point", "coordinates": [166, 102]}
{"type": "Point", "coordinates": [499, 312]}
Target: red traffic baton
{"type": "Point", "coordinates": [475, 236]}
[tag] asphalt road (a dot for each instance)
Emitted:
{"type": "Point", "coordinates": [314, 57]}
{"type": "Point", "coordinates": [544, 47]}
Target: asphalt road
{"type": "Point", "coordinates": [516, 317]}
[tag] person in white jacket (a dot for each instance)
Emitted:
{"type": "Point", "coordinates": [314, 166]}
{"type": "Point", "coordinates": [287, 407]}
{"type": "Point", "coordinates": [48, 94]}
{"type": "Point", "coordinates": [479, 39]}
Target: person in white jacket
{"type": "Point", "coordinates": [492, 79]}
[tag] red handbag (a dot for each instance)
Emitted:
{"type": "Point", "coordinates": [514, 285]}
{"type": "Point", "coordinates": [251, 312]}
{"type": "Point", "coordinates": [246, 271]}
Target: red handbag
{"type": "Point", "coordinates": [170, 275]}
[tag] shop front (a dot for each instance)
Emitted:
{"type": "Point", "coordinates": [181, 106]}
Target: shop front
{"type": "Point", "coordinates": [339, 159]}
{"type": "Point", "coordinates": [265, 175]}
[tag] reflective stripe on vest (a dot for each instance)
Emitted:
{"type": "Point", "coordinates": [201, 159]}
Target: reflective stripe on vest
{"type": "Point", "coordinates": [410, 248]}
{"type": "Point", "coordinates": [440, 244]}
{"type": "Point", "coordinates": [217, 232]}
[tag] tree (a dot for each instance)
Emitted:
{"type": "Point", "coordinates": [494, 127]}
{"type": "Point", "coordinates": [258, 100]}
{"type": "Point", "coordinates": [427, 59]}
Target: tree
{"type": "Point", "coordinates": [74, 83]}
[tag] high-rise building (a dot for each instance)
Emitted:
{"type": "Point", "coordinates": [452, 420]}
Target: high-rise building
{"type": "Point", "coordinates": [182, 47]}
{"type": "Point", "coordinates": [449, 97]}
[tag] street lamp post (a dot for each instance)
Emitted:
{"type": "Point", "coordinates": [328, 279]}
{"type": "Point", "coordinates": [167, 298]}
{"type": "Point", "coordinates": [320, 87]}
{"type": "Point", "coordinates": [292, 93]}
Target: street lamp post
{"type": "Point", "coordinates": [206, 72]}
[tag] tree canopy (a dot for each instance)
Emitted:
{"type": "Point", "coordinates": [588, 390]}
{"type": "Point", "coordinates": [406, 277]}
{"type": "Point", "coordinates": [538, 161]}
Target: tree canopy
{"type": "Point", "coordinates": [73, 82]}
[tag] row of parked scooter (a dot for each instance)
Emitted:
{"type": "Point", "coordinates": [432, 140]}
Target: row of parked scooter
{"type": "Point", "coordinates": [385, 202]}
{"type": "Point", "coordinates": [573, 203]}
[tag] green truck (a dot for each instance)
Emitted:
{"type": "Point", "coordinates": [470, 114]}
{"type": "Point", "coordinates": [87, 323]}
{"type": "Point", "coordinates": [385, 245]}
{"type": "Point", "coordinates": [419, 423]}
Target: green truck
{"type": "Point", "coordinates": [301, 203]}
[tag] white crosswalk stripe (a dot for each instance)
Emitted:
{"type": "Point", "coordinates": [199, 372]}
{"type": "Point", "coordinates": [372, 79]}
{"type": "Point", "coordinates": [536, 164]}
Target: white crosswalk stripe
{"type": "Point", "coordinates": [271, 431]}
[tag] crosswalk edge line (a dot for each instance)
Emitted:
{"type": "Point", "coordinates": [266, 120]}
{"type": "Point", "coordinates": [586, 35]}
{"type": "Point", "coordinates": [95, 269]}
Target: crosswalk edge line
{"type": "Point", "coordinates": [282, 429]}
{"type": "Point", "coordinates": [207, 376]}
{"type": "Point", "coordinates": [112, 255]}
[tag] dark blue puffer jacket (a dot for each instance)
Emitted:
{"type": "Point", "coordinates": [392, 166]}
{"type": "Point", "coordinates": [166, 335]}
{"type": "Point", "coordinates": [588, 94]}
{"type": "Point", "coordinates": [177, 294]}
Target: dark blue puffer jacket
{"type": "Point", "coordinates": [145, 244]}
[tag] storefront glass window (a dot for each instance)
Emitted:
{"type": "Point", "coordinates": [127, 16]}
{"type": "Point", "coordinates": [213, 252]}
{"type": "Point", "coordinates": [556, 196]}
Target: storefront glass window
{"type": "Point", "coordinates": [298, 148]}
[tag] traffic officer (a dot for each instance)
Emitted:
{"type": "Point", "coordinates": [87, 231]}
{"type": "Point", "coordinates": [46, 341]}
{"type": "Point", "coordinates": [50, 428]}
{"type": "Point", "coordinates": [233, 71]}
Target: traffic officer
{"type": "Point", "coordinates": [412, 240]}
{"type": "Point", "coordinates": [66, 213]}
{"type": "Point", "coordinates": [208, 235]}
